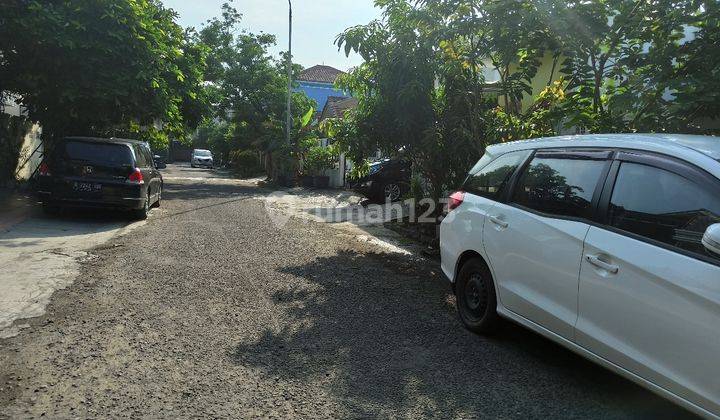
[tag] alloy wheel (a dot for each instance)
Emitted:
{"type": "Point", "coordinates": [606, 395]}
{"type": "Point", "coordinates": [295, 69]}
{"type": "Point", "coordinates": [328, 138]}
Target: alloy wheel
{"type": "Point", "coordinates": [392, 192]}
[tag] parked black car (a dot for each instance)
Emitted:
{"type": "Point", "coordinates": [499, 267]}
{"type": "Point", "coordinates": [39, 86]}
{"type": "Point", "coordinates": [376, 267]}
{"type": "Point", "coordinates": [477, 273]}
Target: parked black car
{"type": "Point", "coordinates": [388, 180]}
{"type": "Point", "coordinates": [102, 173]}
{"type": "Point", "coordinates": [159, 162]}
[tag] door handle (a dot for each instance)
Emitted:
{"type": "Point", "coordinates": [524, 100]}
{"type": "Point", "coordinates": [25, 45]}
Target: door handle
{"type": "Point", "coordinates": [597, 262]}
{"type": "Point", "coordinates": [498, 221]}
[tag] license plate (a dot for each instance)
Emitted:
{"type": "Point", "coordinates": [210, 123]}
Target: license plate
{"type": "Point", "coordinates": [87, 187]}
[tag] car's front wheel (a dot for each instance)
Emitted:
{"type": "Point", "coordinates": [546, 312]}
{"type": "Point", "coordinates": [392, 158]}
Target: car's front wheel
{"type": "Point", "coordinates": [476, 299]}
{"type": "Point", "coordinates": [392, 192]}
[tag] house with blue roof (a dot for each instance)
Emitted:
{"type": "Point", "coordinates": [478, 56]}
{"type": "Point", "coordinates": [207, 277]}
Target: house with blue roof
{"type": "Point", "coordinates": [318, 83]}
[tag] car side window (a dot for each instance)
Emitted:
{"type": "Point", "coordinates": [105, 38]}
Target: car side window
{"type": "Point", "coordinates": [148, 156]}
{"type": "Point", "coordinates": [559, 186]}
{"type": "Point", "coordinates": [664, 206]}
{"type": "Point", "coordinates": [140, 158]}
{"type": "Point", "coordinates": [492, 180]}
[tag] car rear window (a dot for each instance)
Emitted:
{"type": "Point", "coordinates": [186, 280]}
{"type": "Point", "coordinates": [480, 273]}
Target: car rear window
{"type": "Point", "coordinates": [99, 153]}
{"type": "Point", "coordinates": [491, 180]}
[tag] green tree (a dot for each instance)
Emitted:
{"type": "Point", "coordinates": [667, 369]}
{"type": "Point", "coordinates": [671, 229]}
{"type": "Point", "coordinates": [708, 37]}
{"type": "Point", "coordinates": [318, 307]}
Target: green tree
{"type": "Point", "coordinates": [421, 89]}
{"type": "Point", "coordinates": [249, 91]}
{"type": "Point", "coordinates": [84, 67]}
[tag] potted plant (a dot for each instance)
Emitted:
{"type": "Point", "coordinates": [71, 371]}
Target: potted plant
{"type": "Point", "coordinates": [318, 160]}
{"type": "Point", "coordinates": [306, 180]}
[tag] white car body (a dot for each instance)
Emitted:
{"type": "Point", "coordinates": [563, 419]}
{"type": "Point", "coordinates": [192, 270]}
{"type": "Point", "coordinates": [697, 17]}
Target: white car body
{"type": "Point", "coordinates": [647, 311]}
{"type": "Point", "coordinates": [201, 157]}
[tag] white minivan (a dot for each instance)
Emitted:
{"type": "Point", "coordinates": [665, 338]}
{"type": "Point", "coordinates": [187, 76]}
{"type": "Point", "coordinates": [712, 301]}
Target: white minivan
{"type": "Point", "coordinates": [607, 244]}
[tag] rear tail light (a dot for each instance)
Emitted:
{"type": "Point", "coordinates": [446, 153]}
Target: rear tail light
{"type": "Point", "coordinates": [136, 177]}
{"type": "Point", "coordinates": [455, 200]}
{"type": "Point", "coordinates": [44, 169]}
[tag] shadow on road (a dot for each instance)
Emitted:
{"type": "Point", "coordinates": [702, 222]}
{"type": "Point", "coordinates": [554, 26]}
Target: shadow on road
{"type": "Point", "coordinates": [384, 333]}
{"type": "Point", "coordinates": [69, 222]}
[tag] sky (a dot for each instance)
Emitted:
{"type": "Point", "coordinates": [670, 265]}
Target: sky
{"type": "Point", "coordinates": [316, 23]}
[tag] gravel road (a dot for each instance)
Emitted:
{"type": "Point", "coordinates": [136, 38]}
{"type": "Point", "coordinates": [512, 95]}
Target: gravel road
{"type": "Point", "coordinates": [211, 310]}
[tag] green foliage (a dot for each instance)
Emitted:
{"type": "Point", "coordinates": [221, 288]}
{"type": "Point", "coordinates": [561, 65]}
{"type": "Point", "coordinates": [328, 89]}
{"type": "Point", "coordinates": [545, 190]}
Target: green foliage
{"type": "Point", "coordinates": [416, 190]}
{"type": "Point", "coordinates": [305, 120]}
{"type": "Point", "coordinates": [319, 159]}
{"type": "Point", "coordinates": [245, 162]}
{"type": "Point", "coordinates": [625, 66]}
{"type": "Point", "coordinates": [84, 67]}
{"type": "Point", "coordinates": [413, 96]}
{"type": "Point", "coordinates": [639, 66]}
{"type": "Point", "coordinates": [543, 118]}
{"type": "Point", "coordinates": [360, 170]}
{"type": "Point", "coordinates": [12, 134]}
{"type": "Point", "coordinates": [216, 136]}
{"type": "Point", "coordinates": [157, 139]}
{"type": "Point", "coordinates": [249, 92]}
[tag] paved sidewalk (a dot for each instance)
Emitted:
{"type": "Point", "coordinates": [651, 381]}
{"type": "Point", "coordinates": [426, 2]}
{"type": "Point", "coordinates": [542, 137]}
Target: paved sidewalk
{"type": "Point", "coordinates": [39, 254]}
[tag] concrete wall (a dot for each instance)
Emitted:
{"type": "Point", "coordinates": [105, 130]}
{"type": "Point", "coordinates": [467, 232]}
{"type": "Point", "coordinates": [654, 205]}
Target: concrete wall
{"type": "Point", "coordinates": [336, 174]}
{"type": "Point", "coordinates": [545, 75]}
{"type": "Point", "coordinates": [11, 107]}
{"type": "Point", "coordinates": [31, 151]}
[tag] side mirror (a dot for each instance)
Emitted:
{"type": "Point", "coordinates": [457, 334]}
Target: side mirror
{"type": "Point", "coordinates": [711, 239]}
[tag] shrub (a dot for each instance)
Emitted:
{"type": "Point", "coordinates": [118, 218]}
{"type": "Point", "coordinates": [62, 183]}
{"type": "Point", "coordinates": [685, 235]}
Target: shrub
{"type": "Point", "coordinates": [320, 158]}
{"type": "Point", "coordinates": [245, 162]}
{"type": "Point", "coordinates": [12, 133]}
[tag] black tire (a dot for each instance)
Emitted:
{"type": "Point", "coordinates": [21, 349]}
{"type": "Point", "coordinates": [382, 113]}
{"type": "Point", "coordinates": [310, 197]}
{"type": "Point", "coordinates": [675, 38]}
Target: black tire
{"type": "Point", "coordinates": [193, 166]}
{"type": "Point", "coordinates": [142, 214]}
{"type": "Point", "coordinates": [476, 298]}
{"type": "Point", "coordinates": [159, 199]}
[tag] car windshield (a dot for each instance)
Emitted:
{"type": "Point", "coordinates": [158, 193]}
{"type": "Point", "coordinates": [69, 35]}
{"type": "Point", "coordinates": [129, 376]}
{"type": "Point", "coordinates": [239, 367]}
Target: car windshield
{"type": "Point", "coordinates": [99, 153]}
{"type": "Point", "coordinates": [377, 166]}
{"type": "Point", "coordinates": [203, 153]}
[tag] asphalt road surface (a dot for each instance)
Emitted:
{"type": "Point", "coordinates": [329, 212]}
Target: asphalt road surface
{"type": "Point", "coordinates": [210, 309]}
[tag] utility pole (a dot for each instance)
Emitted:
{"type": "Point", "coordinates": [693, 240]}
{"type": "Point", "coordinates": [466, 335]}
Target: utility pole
{"type": "Point", "coordinates": [289, 73]}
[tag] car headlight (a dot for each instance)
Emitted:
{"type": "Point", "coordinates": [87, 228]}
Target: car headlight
{"type": "Point", "coordinates": [367, 184]}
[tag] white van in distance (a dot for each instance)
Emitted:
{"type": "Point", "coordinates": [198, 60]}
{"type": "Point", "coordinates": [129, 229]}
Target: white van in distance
{"type": "Point", "coordinates": [201, 158]}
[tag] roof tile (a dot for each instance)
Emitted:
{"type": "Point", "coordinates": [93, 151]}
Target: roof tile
{"type": "Point", "coordinates": [320, 74]}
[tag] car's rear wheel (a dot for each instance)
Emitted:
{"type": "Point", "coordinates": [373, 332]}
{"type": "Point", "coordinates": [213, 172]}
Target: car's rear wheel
{"type": "Point", "coordinates": [476, 299]}
{"type": "Point", "coordinates": [159, 198]}
{"type": "Point", "coordinates": [142, 214]}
